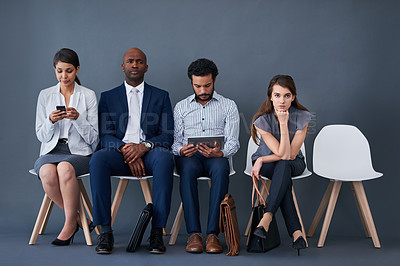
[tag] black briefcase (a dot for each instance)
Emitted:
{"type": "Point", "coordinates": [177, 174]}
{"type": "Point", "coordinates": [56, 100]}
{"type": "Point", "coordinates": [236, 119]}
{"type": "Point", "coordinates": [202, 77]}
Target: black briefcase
{"type": "Point", "coordinates": [141, 225]}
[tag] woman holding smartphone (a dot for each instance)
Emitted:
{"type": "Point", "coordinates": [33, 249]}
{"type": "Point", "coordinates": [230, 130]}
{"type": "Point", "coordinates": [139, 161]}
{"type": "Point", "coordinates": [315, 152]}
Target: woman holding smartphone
{"type": "Point", "coordinates": [282, 123]}
{"type": "Point", "coordinates": [67, 127]}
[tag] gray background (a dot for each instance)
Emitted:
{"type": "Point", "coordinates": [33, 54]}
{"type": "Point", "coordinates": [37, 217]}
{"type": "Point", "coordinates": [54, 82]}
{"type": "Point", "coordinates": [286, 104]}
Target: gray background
{"type": "Point", "coordinates": [343, 56]}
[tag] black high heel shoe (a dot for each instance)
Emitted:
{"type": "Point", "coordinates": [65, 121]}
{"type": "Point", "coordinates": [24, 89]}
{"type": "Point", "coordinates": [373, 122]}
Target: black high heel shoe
{"type": "Point", "coordinates": [260, 232]}
{"type": "Point", "coordinates": [59, 242]}
{"type": "Point", "coordinates": [300, 243]}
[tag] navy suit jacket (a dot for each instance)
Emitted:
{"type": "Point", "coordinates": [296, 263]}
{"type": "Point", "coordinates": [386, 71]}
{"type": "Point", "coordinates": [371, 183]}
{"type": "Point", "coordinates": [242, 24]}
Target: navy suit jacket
{"type": "Point", "coordinates": [156, 120]}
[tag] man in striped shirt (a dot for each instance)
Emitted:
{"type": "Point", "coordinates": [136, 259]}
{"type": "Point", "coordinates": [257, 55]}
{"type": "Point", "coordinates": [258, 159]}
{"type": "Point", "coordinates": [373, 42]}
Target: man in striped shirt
{"type": "Point", "coordinates": [204, 113]}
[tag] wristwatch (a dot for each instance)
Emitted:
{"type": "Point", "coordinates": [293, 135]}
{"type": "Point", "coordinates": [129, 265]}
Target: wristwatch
{"type": "Point", "coordinates": [149, 145]}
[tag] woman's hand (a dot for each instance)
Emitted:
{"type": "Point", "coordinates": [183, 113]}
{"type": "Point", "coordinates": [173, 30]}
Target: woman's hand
{"type": "Point", "coordinates": [255, 171]}
{"type": "Point", "coordinates": [57, 115]}
{"type": "Point", "coordinates": [72, 113]}
{"type": "Point", "coordinates": [283, 116]}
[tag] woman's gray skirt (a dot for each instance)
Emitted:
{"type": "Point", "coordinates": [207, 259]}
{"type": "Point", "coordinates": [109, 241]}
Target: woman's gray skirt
{"type": "Point", "coordinates": [61, 153]}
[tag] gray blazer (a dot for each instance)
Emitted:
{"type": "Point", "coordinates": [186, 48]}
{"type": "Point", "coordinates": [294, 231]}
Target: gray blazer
{"type": "Point", "coordinates": [83, 134]}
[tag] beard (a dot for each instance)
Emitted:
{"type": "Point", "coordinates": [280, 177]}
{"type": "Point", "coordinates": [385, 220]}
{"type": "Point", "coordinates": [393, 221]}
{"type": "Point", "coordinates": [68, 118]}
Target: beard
{"type": "Point", "coordinates": [197, 96]}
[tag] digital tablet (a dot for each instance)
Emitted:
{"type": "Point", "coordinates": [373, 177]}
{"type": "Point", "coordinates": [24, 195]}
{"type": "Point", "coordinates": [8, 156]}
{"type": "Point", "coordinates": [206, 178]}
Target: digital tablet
{"type": "Point", "coordinates": [209, 141]}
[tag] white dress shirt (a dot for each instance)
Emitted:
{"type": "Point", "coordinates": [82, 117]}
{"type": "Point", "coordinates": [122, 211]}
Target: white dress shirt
{"type": "Point", "coordinates": [134, 134]}
{"type": "Point", "coordinates": [65, 124]}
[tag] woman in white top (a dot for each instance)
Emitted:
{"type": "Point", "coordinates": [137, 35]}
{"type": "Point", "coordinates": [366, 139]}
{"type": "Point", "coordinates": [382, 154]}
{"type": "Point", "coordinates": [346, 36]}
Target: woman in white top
{"type": "Point", "coordinates": [67, 127]}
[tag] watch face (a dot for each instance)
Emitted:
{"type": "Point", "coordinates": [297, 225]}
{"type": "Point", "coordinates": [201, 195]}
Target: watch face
{"type": "Point", "coordinates": [148, 145]}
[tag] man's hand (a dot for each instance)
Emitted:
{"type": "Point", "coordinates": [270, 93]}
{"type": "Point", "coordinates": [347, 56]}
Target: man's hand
{"type": "Point", "coordinates": [132, 151]}
{"type": "Point", "coordinates": [137, 168]}
{"type": "Point", "coordinates": [188, 150]}
{"type": "Point", "coordinates": [209, 152]}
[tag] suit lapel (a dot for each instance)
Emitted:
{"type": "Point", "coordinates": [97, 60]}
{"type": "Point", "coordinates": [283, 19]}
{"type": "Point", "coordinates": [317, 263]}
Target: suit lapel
{"type": "Point", "coordinates": [145, 102]}
{"type": "Point", "coordinates": [122, 101]}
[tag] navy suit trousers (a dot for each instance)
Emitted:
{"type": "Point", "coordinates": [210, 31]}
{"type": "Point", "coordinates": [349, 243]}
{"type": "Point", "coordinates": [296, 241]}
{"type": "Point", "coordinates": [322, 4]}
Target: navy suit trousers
{"type": "Point", "coordinates": [104, 163]}
{"type": "Point", "coordinates": [280, 192]}
{"type": "Point", "coordinates": [189, 169]}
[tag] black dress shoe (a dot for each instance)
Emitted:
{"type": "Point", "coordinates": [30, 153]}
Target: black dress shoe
{"type": "Point", "coordinates": [156, 241]}
{"type": "Point", "coordinates": [260, 232]}
{"type": "Point", "coordinates": [59, 242]}
{"type": "Point", "coordinates": [105, 243]}
{"type": "Point", "coordinates": [300, 243]}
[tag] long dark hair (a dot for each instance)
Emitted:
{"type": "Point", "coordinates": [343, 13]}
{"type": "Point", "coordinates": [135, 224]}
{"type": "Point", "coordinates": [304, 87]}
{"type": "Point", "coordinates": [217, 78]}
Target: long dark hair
{"type": "Point", "coordinates": [69, 56]}
{"type": "Point", "coordinates": [285, 81]}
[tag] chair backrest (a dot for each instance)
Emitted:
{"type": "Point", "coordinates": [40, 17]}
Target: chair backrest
{"type": "Point", "coordinates": [342, 152]}
{"type": "Point", "coordinates": [252, 147]}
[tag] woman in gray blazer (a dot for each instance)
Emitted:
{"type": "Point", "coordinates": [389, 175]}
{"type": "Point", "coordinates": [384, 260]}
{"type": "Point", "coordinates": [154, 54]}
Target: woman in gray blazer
{"type": "Point", "coordinates": [67, 127]}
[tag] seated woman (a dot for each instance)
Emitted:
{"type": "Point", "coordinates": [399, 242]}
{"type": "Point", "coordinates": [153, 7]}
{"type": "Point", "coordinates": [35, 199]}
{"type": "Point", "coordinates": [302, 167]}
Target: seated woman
{"type": "Point", "coordinates": [282, 123]}
{"type": "Point", "coordinates": [67, 127]}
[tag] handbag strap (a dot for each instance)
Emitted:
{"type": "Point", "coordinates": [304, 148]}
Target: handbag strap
{"type": "Point", "coordinates": [259, 197]}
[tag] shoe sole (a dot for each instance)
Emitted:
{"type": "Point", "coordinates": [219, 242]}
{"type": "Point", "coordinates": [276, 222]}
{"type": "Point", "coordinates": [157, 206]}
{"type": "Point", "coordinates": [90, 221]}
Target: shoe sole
{"type": "Point", "coordinates": [156, 252]}
{"type": "Point", "coordinates": [214, 252]}
{"type": "Point", "coordinates": [103, 252]}
{"type": "Point", "coordinates": [195, 252]}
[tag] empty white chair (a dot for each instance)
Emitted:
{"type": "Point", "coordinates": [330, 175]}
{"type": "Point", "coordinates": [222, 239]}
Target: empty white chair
{"type": "Point", "coordinates": [251, 148]}
{"type": "Point", "coordinates": [342, 154]}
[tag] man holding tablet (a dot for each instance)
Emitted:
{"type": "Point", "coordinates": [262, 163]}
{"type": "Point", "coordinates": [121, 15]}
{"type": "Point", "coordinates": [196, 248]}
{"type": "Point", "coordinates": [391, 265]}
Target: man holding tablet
{"type": "Point", "coordinates": [204, 115]}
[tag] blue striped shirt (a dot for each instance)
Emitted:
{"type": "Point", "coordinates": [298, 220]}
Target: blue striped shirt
{"type": "Point", "coordinates": [219, 116]}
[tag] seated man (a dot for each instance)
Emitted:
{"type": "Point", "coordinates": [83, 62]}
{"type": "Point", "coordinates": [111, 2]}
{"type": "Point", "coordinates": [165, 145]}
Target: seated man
{"type": "Point", "coordinates": [204, 113]}
{"type": "Point", "coordinates": [136, 125]}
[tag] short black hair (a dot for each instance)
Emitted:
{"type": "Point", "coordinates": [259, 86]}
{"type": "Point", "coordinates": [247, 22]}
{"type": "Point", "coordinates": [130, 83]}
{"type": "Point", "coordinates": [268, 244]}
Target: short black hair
{"type": "Point", "coordinates": [202, 67]}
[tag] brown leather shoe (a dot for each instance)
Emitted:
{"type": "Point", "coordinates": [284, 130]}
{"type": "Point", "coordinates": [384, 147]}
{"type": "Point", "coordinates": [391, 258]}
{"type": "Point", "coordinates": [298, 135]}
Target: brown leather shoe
{"type": "Point", "coordinates": [212, 244]}
{"type": "Point", "coordinates": [195, 243]}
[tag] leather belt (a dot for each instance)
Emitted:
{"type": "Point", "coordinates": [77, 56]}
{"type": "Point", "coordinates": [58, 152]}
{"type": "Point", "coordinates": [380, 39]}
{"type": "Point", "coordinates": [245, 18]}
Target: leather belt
{"type": "Point", "coordinates": [63, 141]}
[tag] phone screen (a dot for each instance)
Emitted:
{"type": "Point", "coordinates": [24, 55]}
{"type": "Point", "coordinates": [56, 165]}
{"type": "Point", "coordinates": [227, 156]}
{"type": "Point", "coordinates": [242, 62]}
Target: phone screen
{"type": "Point", "coordinates": [60, 107]}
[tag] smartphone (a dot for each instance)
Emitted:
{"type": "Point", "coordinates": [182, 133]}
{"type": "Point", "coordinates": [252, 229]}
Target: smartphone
{"type": "Point", "coordinates": [61, 108]}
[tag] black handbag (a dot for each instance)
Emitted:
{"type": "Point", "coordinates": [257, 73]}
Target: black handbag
{"type": "Point", "coordinates": [141, 225]}
{"type": "Point", "coordinates": [255, 243]}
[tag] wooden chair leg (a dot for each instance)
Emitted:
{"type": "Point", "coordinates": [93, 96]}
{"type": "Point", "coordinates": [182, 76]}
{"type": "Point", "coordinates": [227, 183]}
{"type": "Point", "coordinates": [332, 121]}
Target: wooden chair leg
{"type": "Point", "coordinates": [321, 209]}
{"type": "Point", "coordinates": [87, 204]}
{"type": "Point", "coordinates": [362, 215]}
{"type": "Point", "coordinates": [329, 212]}
{"type": "Point", "coordinates": [247, 232]}
{"type": "Point", "coordinates": [177, 225]}
{"type": "Point", "coordinates": [146, 188]}
{"type": "Point", "coordinates": [123, 183]}
{"type": "Point", "coordinates": [46, 218]}
{"type": "Point", "coordinates": [360, 193]}
{"type": "Point", "coordinates": [303, 232]}
{"type": "Point", "coordinates": [84, 222]}
{"type": "Point", "coordinates": [43, 212]}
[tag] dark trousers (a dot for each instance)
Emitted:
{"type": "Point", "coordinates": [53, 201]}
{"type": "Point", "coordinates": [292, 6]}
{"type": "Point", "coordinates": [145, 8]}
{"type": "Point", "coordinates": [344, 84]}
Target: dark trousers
{"type": "Point", "coordinates": [104, 163]}
{"type": "Point", "coordinates": [189, 169]}
{"type": "Point", "coordinates": [280, 192]}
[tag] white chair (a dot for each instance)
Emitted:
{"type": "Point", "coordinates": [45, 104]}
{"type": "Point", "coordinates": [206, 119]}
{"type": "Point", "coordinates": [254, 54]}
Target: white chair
{"type": "Point", "coordinates": [179, 215]}
{"type": "Point", "coordinates": [47, 205]}
{"type": "Point", "coordinates": [342, 154]}
{"type": "Point", "coordinates": [251, 148]}
{"type": "Point", "coordinates": [119, 193]}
